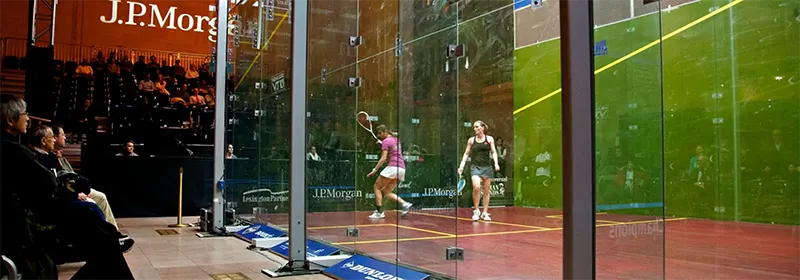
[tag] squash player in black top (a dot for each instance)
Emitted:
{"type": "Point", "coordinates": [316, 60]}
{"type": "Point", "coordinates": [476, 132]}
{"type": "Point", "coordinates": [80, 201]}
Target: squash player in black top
{"type": "Point", "coordinates": [483, 154]}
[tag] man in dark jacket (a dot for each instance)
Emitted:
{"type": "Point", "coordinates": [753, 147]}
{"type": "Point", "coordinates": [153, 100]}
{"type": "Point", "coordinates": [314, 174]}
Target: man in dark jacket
{"type": "Point", "coordinates": [34, 188]}
{"type": "Point", "coordinates": [23, 235]}
{"type": "Point", "coordinates": [42, 142]}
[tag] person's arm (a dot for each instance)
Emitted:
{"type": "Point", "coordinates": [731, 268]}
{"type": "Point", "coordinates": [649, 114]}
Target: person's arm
{"type": "Point", "coordinates": [494, 154]}
{"type": "Point", "coordinates": [466, 155]}
{"type": "Point", "coordinates": [43, 184]}
{"type": "Point", "coordinates": [384, 152]}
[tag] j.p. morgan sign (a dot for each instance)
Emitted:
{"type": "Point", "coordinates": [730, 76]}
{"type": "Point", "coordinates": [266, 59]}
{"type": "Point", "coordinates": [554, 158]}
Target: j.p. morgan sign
{"type": "Point", "coordinates": [153, 16]}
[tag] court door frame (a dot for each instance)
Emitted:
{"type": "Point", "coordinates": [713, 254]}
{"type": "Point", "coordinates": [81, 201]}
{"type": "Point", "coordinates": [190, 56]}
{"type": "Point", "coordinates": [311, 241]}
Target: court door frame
{"type": "Point", "coordinates": [577, 64]}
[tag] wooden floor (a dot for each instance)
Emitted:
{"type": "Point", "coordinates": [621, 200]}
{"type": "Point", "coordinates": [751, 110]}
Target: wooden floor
{"type": "Point", "coordinates": [185, 256]}
{"type": "Point", "coordinates": [520, 243]}
{"type": "Point", "coordinates": [525, 243]}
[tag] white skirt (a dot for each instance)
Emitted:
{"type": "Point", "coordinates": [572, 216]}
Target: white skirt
{"type": "Point", "coordinates": [394, 172]}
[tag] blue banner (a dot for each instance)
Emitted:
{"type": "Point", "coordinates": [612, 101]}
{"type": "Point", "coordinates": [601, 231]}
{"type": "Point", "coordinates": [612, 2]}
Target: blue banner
{"type": "Point", "coordinates": [519, 4]}
{"type": "Point", "coordinates": [313, 249]}
{"type": "Point", "coordinates": [629, 206]}
{"type": "Point", "coordinates": [361, 267]}
{"type": "Point", "coordinates": [259, 231]}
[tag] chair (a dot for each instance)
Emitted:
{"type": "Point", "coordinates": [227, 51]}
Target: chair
{"type": "Point", "coordinates": [9, 270]}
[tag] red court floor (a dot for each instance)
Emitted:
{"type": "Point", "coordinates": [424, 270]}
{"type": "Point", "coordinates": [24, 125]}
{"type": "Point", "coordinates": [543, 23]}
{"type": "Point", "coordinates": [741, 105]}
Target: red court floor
{"type": "Point", "coordinates": [525, 243]}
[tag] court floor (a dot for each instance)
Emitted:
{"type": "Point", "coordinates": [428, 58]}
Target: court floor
{"type": "Point", "coordinates": [526, 243]}
{"type": "Point", "coordinates": [168, 253]}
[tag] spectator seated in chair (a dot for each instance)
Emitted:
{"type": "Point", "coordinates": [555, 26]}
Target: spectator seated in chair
{"type": "Point", "coordinates": [75, 189]}
{"type": "Point", "coordinates": [40, 218]}
{"type": "Point", "coordinates": [69, 188]}
{"type": "Point", "coordinates": [93, 196]}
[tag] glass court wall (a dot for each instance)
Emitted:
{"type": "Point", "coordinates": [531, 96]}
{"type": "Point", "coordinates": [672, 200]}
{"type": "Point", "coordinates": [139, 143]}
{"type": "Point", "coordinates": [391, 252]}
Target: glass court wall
{"type": "Point", "coordinates": [390, 61]}
{"type": "Point", "coordinates": [257, 112]}
{"type": "Point", "coordinates": [732, 133]}
{"type": "Point", "coordinates": [629, 186]}
{"type": "Point", "coordinates": [696, 129]}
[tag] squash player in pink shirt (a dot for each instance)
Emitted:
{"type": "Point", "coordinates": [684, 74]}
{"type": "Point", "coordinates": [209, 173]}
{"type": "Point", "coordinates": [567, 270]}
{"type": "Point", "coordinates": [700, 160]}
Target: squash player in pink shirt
{"type": "Point", "coordinates": [391, 175]}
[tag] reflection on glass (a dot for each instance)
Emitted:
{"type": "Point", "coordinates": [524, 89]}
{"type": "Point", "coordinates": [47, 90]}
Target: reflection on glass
{"type": "Point", "coordinates": [697, 125]}
{"type": "Point", "coordinates": [628, 142]}
{"type": "Point", "coordinates": [332, 192]}
{"type": "Point", "coordinates": [384, 73]}
{"type": "Point", "coordinates": [257, 116]}
{"type": "Point", "coordinates": [698, 120]}
{"type": "Point", "coordinates": [732, 126]}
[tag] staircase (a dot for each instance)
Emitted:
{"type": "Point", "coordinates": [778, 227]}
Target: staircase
{"type": "Point", "coordinates": [12, 81]}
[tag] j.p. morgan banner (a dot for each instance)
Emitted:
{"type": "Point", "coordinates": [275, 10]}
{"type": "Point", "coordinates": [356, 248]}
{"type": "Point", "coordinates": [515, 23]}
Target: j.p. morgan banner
{"type": "Point", "coordinates": [148, 15]}
{"type": "Point", "coordinates": [155, 16]}
{"type": "Point", "coordinates": [339, 190]}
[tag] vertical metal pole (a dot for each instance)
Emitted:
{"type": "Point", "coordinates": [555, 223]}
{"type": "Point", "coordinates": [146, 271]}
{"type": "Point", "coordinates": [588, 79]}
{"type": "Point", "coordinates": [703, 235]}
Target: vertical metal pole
{"type": "Point", "coordinates": [53, 23]}
{"type": "Point", "coordinates": [219, 113]}
{"type": "Point", "coordinates": [180, 200]}
{"type": "Point", "coordinates": [33, 5]}
{"type": "Point", "coordinates": [297, 177]}
{"type": "Point", "coordinates": [737, 166]}
{"type": "Point", "coordinates": [260, 24]}
{"type": "Point", "coordinates": [577, 81]}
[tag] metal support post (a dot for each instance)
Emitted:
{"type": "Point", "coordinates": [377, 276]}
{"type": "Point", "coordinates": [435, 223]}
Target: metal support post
{"type": "Point", "coordinates": [42, 21]}
{"type": "Point", "coordinates": [298, 261]}
{"type": "Point", "coordinates": [219, 116]}
{"type": "Point", "coordinates": [577, 81]}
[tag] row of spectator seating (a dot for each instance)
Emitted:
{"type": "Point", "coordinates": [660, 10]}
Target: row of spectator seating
{"type": "Point", "coordinates": [131, 113]}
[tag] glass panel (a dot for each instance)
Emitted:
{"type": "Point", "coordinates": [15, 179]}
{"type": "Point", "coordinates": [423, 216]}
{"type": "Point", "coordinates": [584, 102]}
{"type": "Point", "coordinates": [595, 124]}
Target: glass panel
{"type": "Point", "coordinates": [378, 27]}
{"type": "Point", "coordinates": [426, 124]}
{"type": "Point", "coordinates": [534, 226]}
{"type": "Point", "coordinates": [629, 140]}
{"type": "Point", "coordinates": [485, 101]}
{"type": "Point", "coordinates": [377, 97]}
{"type": "Point", "coordinates": [257, 115]}
{"type": "Point", "coordinates": [732, 126]}
{"type": "Point", "coordinates": [332, 191]}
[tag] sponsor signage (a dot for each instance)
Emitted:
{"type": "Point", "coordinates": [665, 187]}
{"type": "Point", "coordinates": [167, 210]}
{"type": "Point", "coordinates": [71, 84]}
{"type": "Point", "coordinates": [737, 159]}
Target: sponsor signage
{"type": "Point", "coordinates": [153, 16]}
{"type": "Point", "coordinates": [500, 196]}
{"type": "Point", "coordinates": [313, 249]}
{"type": "Point", "coordinates": [600, 48]}
{"type": "Point", "coordinates": [150, 15]}
{"type": "Point", "coordinates": [278, 82]}
{"type": "Point", "coordinates": [361, 267]}
{"type": "Point", "coordinates": [259, 231]}
{"type": "Point", "coordinates": [264, 195]}
{"type": "Point", "coordinates": [334, 192]}
{"type": "Point", "coordinates": [439, 192]}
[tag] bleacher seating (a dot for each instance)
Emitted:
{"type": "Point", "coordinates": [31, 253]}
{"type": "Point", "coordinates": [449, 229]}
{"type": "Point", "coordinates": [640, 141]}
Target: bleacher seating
{"type": "Point", "coordinates": [118, 110]}
{"type": "Point", "coordinates": [12, 81]}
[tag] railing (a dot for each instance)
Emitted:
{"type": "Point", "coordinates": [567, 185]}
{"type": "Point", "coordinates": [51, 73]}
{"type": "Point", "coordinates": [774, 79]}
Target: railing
{"type": "Point", "coordinates": [73, 52]}
{"type": "Point", "coordinates": [37, 121]}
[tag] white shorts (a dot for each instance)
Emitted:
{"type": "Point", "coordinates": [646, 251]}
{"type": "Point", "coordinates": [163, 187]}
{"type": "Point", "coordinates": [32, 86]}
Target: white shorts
{"type": "Point", "coordinates": [394, 172]}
